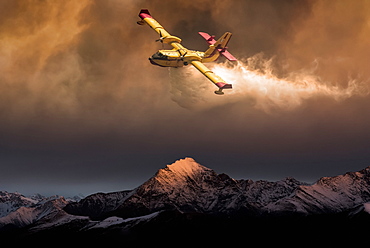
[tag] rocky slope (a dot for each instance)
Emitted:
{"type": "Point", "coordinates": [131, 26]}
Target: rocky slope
{"type": "Point", "coordinates": [98, 205]}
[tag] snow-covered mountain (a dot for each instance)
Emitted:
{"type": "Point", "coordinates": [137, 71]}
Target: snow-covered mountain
{"type": "Point", "coordinates": [20, 211]}
{"type": "Point", "coordinates": [190, 187]}
{"type": "Point", "coordinates": [185, 191]}
{"type": "Point", "coordinates": [328, 195]}
{"type": "Point", "coordinates": [10, 202]}
{"type": "Point", "coordinates": [186, 186]}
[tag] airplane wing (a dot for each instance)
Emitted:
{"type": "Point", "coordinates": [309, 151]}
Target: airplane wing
{"type": "Point", "coordinates": [165, 37]}
{"type": "Point", "coordinates": [218, 81]}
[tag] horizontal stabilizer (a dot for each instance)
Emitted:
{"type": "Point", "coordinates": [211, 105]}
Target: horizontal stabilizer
{"type": "Point", "coordinates": [228, 55]}
{"type": "Point", "coordinates": [210, 39]}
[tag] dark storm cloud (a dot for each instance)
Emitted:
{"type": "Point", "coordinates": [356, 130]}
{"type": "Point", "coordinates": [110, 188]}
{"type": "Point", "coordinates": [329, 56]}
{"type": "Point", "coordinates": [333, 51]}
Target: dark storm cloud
{"type": "Point", "coordinates": [82, 108]}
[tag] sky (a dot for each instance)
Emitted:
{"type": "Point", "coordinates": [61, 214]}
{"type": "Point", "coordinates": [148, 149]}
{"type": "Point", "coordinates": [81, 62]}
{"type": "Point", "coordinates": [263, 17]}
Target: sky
{"type": "Point", "coordinates": [82, 110]}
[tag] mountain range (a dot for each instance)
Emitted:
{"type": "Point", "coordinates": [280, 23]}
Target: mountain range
{"type": "Point", "coordinates": [186, 199]}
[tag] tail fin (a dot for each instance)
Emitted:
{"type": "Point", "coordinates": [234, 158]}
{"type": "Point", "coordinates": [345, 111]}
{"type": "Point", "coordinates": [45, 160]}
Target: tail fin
{"type": "Point", "coordinates": [220, 45]}
{"type": "Point", "coordinates": [223, 40]}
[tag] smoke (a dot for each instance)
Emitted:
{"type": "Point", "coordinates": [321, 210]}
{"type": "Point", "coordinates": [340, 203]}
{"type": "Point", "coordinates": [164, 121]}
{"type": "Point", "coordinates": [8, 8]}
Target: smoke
{"type": "Point", "coordinates": [291, 53]}
{"type": "Point", "coordinates": [256, 85]}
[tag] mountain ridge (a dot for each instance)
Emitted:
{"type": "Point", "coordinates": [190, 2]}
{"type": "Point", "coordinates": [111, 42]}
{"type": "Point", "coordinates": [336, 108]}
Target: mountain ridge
{"type": "Point", "coordinates": [186, 193]}
{"type": "Point", "coordinates": [188, 186]}
{"type": "Point", "coordinates": [329, 194]}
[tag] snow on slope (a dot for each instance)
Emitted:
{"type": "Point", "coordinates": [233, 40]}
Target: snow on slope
{"type": "Point", "coordinates": [367, 207]}
{"type": "Point", "coordinates": [328, 195]}
{"type": "Point", "coordinates": [19, 211]}
{"type": "Point", "coordinates": [25, 215]}
{"type": "Point", "coordinates": [114, 220]}
{"type": "Point", "coordinates": [10, 202]}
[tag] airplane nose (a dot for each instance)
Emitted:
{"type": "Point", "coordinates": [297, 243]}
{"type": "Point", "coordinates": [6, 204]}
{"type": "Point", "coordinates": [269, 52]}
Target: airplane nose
{"type": "Point", "coordinates": [152, 61]}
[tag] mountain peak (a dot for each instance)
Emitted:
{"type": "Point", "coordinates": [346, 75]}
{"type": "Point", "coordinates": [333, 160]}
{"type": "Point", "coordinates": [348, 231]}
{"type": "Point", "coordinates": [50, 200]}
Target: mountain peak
{"type": "Point", "coordinates": [185, 167]}
{"type": "Point", "coordinates": [179, 172]}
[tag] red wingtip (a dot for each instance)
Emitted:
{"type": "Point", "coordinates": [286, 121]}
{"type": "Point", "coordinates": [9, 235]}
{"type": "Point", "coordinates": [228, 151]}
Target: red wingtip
{"type": "Point", "coordinates": [224, 86]}
{"type": "Point", "coordinates": [144, 13]}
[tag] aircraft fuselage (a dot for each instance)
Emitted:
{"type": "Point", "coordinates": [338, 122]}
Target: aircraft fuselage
{"type": "Point", "coordinates": [179, 58]}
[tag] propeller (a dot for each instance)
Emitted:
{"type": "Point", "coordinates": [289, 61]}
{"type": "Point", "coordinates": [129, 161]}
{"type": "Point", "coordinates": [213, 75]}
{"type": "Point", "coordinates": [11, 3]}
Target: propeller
{"type": "Point", "coordinates": [182, 56]}
{"type": "Point", "coordinates": [160, 37]}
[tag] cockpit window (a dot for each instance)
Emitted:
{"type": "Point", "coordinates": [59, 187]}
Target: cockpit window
{"type": "Point", "coordinates": [159, 55]}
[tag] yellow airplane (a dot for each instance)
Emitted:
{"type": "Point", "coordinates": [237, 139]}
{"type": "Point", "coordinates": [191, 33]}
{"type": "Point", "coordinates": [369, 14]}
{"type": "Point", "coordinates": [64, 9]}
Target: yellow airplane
{"type": "Point", "coordinates": [180, 56]}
